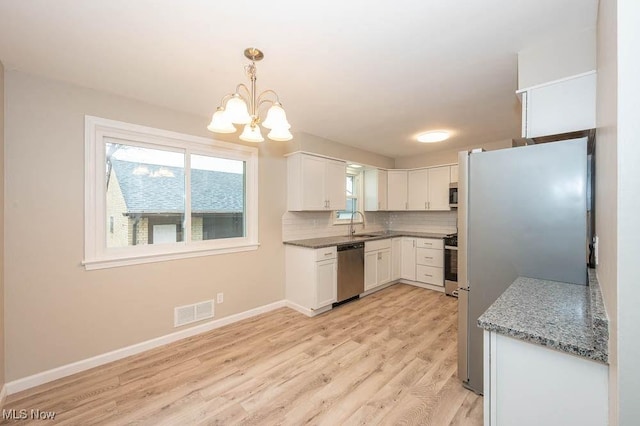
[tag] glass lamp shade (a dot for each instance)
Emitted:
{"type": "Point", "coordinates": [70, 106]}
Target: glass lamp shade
{"type": "Point", "coordinates": [220, 124]}
{"type": "Point", "coordinates": [276, 118]}
{"type": "Point", "coordinates": [280, 134]}
{"type": "Point", "coordinates": [236, 110]}
{"type": "Point", "coordinates": [251, 134]}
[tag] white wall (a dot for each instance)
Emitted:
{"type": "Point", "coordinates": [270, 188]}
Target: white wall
{"type": "Point", "coordinates": [607, 182]}
{"type": "Point", "coordinates": [2, 372]}
{"type": "Point", "coordinates": [446, 156]}
{"type": "Point", "coordinates": [56, 311]}
{"type": "Point", "coordinates": [628, 211]}
{"type": "Point", "coordinates": [557, 57]}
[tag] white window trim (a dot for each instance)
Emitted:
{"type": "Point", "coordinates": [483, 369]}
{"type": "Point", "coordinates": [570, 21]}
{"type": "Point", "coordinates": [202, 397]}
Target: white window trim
{"type": "Point", "coordinates": [360, 196]}
{"type": "Point", "coordinates": [97, 255]}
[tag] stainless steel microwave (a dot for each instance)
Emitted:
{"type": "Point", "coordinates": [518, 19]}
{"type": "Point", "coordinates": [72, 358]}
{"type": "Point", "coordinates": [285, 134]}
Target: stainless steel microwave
{"type": "Point", "coordinates": [453, 195]}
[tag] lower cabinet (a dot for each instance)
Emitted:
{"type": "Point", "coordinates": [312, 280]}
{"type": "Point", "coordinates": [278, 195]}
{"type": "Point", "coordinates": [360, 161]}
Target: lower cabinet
{"type": "Point", "coordinates": [311, 277]}
{"type": "Point", "coordinates": [396, 258]}
{"type": "Point", "coordinates": [529, 385]}
{"type": "Point", "coordinates": [408, 262]}
{"type": "Point", "coordinates": [377, 263]}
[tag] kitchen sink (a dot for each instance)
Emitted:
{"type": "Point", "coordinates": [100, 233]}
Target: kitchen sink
{"type": "Point", "coordinates": [367, 235]}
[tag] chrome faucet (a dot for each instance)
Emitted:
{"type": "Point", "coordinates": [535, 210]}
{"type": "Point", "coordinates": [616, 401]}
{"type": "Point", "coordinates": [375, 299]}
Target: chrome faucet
{"type": "Point", "coordinates": [352, 229]}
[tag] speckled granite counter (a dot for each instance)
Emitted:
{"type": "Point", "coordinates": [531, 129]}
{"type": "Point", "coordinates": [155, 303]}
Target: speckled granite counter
{"type": "Point", "coordinates": [343, 239]}
{"type": "Point", "coordinates": [562, 316]}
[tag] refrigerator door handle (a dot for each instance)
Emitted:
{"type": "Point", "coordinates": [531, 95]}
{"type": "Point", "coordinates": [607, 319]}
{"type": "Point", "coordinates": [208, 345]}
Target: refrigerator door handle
{"type": "Point", "coordinates": [463, 324]}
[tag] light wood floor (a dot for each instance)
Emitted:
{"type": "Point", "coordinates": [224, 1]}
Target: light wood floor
{"type": "Point", "coordinates": [389, 358]}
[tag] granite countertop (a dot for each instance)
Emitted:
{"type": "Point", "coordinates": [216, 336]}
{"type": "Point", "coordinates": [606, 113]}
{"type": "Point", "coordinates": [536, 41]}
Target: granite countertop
{"type": "Point", "coordinates": [343, 239]}
{"type": "Point", "coordinates": [567, 317]}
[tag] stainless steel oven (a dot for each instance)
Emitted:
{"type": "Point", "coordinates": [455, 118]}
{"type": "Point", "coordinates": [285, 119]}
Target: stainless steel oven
{"type": "Point", "coordinates": [451, 265]}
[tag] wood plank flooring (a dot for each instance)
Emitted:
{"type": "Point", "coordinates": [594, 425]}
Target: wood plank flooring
{"type": "Point", "coordinates": [387, 359]}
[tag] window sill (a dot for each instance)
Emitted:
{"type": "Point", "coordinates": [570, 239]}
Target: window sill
{"type": "Point", "coordinates": [114, 262]}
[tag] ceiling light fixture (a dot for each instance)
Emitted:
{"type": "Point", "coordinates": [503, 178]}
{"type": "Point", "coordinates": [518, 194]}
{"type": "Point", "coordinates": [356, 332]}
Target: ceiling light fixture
{"type": "Point", "coordinates": [436, 136]}
{"type": "Point", "coordinates": [233, 109]}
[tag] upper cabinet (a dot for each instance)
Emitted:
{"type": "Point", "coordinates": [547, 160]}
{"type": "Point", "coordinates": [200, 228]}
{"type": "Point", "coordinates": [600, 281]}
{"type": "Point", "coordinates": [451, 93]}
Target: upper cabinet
{"type": "Point", "coordinates": [428, 189]}
{"type": "Point", "coordinates": [454, 173]}
{"type": "Point", "coordinates": [397, 190]}
{"type": "Point", "coordinates": [375, 190]}
{"type": "Point", "coordinates": [559, 106]}
{"type": "Point", "coordinates": [315, 183]}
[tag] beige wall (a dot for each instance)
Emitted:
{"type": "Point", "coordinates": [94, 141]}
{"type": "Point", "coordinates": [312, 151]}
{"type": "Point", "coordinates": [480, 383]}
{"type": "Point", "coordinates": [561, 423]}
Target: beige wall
{"type": "Point", "coordinates": [607, 182]}
{"type": "Point", "coordinates": [446, 156]}
{"type": "Point", "coordinates": [311, 143]}
{"type": "Point", "coordinates": [56, 311]}
{"type": "Point", "coordinates": [2, 367]}
{"type": "Point", "coordinates": [558, 57]}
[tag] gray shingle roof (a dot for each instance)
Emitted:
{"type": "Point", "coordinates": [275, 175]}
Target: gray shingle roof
{"type": "Point", "coordinates": [161, 190]}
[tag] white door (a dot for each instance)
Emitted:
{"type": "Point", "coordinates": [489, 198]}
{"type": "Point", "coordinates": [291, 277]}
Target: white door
{"type": "Point", "coordinates": [382, 189]}
{"type": "Point", "coordinates": [384, 266]}
{"type": "Point", "coordinates": [454, 173]}
{"type": "Point", "coordinates": [396, 258]}
{"type": "Point", "coordinates": [408, 265]}
{"type": "Point", "coordinates": [326, 283]}
{"type": "Point", "coordinates": [313, 170]}
{"type": "Point", "coordinates": [370, 270]}
{"type": "Point", "coordinates": [418, 189]}
{"type": "Point", "coordinates": [163, 234]}
{"type": "Point", "coordinates": [397, 190]}
{"type": "Point", "coordinates": [439, 178]}
{"type": "Point", "coordinates": [335, 181]}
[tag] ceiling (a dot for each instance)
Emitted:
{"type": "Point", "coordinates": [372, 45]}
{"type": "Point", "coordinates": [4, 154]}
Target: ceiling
{"type": "Point", "coordinates": [371, 74]}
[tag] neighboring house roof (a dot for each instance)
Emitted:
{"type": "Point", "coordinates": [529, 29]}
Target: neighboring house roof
{"type": "Point", "coordinates": [150, 188]}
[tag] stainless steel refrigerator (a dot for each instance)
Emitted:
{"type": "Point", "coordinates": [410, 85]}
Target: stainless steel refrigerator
{"type": "Point", "coordinates": [521, 212]}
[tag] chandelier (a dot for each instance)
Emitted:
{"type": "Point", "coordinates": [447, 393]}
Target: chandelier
{"type": "Point", "coordinates": [233, 109]}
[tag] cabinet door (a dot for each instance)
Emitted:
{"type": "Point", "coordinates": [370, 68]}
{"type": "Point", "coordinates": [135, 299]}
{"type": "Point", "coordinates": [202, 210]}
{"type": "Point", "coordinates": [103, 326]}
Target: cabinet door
{"type": "Point", "coordinates": [384, 266]}
{"type": "Point", "coordinates": [326, 283]}
{"type": "Point", "coordinates": [454, 173]}
{"type": "Point", "coordinates": [418, 189]}
{"type": "Point", "coordinates": [313, 170]}
{"type": "Point", "coordinates": [397, 190]}
{"type": "Point", "coordinates": [439, 188]}
{"type": "Point", "coordinates": [335, 184]}
{"type": "Point", "coordinates": [408, 265]}
{"type": "Point", "coordinates": [370, 270]}
{"type": "Point", "coordinates": [396, 258]}
{"type": "Point", "coordinates": [382, 189]}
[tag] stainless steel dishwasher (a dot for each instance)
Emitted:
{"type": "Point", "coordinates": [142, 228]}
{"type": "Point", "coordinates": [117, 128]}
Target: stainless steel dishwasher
{"type": "Point", "coordinates": [350, 271]}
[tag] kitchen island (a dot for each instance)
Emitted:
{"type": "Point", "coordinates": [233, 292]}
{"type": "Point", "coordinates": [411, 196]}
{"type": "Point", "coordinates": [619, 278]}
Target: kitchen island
{"type": "Point", "coordinates": [546, 354]}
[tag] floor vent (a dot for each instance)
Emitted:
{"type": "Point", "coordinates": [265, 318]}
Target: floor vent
{"type": "Point", "coordinates": [191, 313]}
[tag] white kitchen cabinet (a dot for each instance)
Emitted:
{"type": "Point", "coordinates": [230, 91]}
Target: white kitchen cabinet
{"type": "Point", "coordinates": [377, 263]}
{"type": "Point", "coordinates": [454, 173]}
{"type": "Point", "coordinates": [428, 189]}
{"type": "Point", "coordinates": [529, 385]}
{"type": "Point", "coordinates": [430, 261]}
{"type": "Point", "coordinates": [315, 183]}
{"type": "Point", "coordinates": [396, 258]}
{"type": "Point", "coordinates": [560, 106]}
{"type": "Point", "coordinates": [438, 183]}
{"type": "Point", "coordinates": [375, 190]}
{"type": "Point", "coordinates": [418, 189]}
{"type": "Point", "coordinates": [311, 278]}
{"type": "Point", "coordinates": [408, 262]}
{"type": "Point", "coordinates": [397, 190]}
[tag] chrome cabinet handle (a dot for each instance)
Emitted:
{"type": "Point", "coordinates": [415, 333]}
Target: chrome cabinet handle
{"type": "Point", "coordinates": [328, 254]}
{"type": "Point", "coordinates": [427, 275]}
{"type": "Point", "coordinates": [428, 257]}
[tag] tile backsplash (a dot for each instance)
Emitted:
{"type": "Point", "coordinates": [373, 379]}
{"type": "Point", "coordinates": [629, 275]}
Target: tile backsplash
{"type": "Point", "coordinates": [303, 225]}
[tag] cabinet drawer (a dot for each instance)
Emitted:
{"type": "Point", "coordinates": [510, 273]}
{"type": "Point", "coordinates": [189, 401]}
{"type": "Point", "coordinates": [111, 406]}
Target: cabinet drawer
{"type": "Point", "coordinates": [429, 243]}
{"type": "Point", "coordinates": [430, 275]}
{"type": "Point", "coordinates": [430, 257]}
{"type": "Point", "coordinates": [326, 253]}
{"type": "Point", "coordinates": [377, 245]}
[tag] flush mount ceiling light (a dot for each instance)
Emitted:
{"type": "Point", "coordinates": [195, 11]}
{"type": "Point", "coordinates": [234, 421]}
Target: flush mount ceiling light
{"type": "Point", "coordinates": [436, 136]}
{"type": "Point", "coordinates": [233, 109]}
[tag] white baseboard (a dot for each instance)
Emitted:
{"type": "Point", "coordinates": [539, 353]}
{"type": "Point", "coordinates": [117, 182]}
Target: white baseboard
{"type": "Point", "coordinates": [306, 311]}
{"type": "Point", "coordinates": [423, 285]}
{"type": "Point", "coordinates": [85, 364]}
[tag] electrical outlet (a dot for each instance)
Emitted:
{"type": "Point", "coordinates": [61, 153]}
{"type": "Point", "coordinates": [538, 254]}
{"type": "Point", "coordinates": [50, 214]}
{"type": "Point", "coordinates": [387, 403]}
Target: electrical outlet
{"type": "Point", "coordinates": [220, 297]}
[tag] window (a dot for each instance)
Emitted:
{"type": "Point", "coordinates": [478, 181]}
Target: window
{"type": "Point", "coordinates": [353, 200]}
{"type": "Point", "coordinates": [155, 195]}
